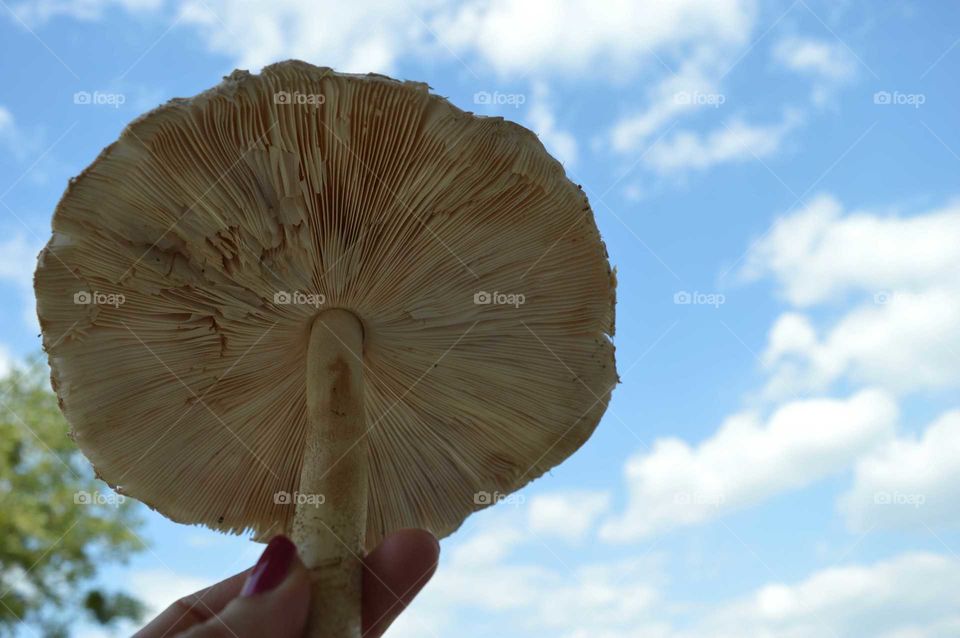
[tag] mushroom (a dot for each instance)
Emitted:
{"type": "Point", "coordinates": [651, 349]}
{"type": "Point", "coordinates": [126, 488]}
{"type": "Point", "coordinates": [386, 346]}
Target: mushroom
{"type": "Point", "coordinates": [326, 305]}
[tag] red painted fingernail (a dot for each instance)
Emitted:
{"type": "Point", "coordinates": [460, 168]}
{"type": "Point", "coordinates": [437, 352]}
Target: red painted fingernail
{"type": "Point", "coordinates": [272, 568]}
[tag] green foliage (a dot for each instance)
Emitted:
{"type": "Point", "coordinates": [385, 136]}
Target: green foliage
{"type": "Point", "coordinates": [58, 524]}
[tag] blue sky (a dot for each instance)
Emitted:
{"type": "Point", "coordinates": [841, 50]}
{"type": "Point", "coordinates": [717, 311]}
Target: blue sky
{"type": "Point", "coordinates": [777, 187]}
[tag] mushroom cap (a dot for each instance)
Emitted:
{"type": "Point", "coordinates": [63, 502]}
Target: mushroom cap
{"type": "Point", "coordinates": [187, 263]}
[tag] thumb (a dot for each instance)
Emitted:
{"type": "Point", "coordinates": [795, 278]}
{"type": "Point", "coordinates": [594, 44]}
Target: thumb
{"type": "Point", "coordinates": [273, 601]}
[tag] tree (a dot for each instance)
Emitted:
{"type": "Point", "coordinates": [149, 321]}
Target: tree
{"type": "Point", "coordinates": [58, 524]}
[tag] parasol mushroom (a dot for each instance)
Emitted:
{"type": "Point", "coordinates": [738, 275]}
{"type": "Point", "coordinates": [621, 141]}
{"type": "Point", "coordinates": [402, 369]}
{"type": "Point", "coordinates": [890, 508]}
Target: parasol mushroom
{"type": "Point", "coordinates": [325, 305]}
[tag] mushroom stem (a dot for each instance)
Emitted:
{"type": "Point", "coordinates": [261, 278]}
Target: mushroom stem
{"type": "Point", "coordinates": [331, 514]}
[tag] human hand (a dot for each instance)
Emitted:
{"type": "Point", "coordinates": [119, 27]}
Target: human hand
{"type": "Point", "coordinates": [271, 598]}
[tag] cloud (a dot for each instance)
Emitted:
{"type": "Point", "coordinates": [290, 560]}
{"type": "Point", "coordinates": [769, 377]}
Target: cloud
{"type": "Point", "coordinates": [14, 139]}
{"type": "Point", "coordinates": [901, 335]}
{"type": "Point", "coordinates": [747, 461]}
{"type": "Point", "coordinates": [543, 121]}
{"type": "Point", "coordinates": [734, 141]}
{"type": "Point", "coordinates": [556, 37]}
{"type": "Point", "coordinates": [27, 146]}
{"type": "Point", "coordinates": [829, 64]}
{"type": "Point", "coordinates": [676, 95]}
{"type": "Point", "coordinates": [6, 120]}
{"type": "Point", "coordinates": [37, 12]}
{"type": "Point", "coordinates": [7, 361]}
{"type": "Point", "coordinates": [589, 37]}
{"type": "Point", "coordinates": [820, 253]}
{"type": "Point", "coordinates": [18, 259]}
{"type": "Point", "coordinates": [905, 342]}
{"type": "Point", "coordinates": [359, 36]}
{"type": "Point", "coordinates": [817, 58]}
{"type": "Point", "coordinates": [490, 545]}
{"type": "Point", "coordinates": [908, 595]}
{"type": "Point", "coordinates": [912, 595]}
{"type": "Point", "coordinates": [566, 515]}
{"type": "Point", "coordinates": [158, 588]}
{"type": "Point", "coordinates": [909, 482]}
{"type": "Point", "coordinates": [490, 573]}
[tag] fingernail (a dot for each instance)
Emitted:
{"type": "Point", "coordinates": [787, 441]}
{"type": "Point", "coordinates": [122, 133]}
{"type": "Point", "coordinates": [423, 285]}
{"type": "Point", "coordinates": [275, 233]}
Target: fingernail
{"type": "Point", "coordinates": [272, 568]}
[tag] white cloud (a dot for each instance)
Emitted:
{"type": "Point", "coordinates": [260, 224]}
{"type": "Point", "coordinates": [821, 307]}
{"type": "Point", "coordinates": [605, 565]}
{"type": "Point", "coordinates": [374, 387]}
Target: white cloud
{"type": "Point", "coordinates": [358, 36]}
{"type": "Point", "coordinates": [909, 482]}
{"type": "Point", "coordinates": [543, 121]}
{"type": "Point", "coordinates": [7, 361]}
{"type": "Point", "coordinates": [13, 138]}
{"type": "Point", "coordinates": [158, 588]}
{"type": "Point", "coordinates": [567, 515]}
{"type": "Point", "coordinates": [582, 37]}
{"type": "Point", "coordinates": [28, 146]}
{"type": "Point", "coordinates": [203, 539]}
{"type": "Point", "coordinates": [902, 335]}
{"type": "Point", "coordinates": [678, 94]}
{"type": "Point", "coordinates": [819, 253]}
{"type": "Point", "coordinates": [915, 595]}
{"type": "Point", "coordinates": [18, 259]}
{"type": "Point", "coordinates": [908, 342]}
{"type": "Point", "coordinates": [6, 120]}
{"type": "Point", "coordinates": [746, 461]}
{"type": "Point", "coordinates": [828, 63]}
{"type": "Point", "coordinates": [818, 58]}
{"type": "Point", "coordinates": [40, 11]}
{"type": "Point", "coordinates": [490, 574]}
{"type": "Point", "coordinates": [588, 37]}
{"type": "Point", "coordinates": [489, 545]}
{"type": "Point", "coordinates": [911, 595]}
{"type": "Point", "coordinates": [735, 141]}
{"type": "Point", "coordinates": [791, 333]}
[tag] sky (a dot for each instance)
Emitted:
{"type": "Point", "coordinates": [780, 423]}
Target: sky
{"type": "Point", "coordinates": [777, 187]}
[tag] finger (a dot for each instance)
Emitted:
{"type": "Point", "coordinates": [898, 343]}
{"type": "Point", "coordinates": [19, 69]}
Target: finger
{"type": "Point", "coordinates": [395, 572]}
{"type": "Point", "coordinates": [195, 608]}
{"type": "Point", "coordinates": [272, 602]}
